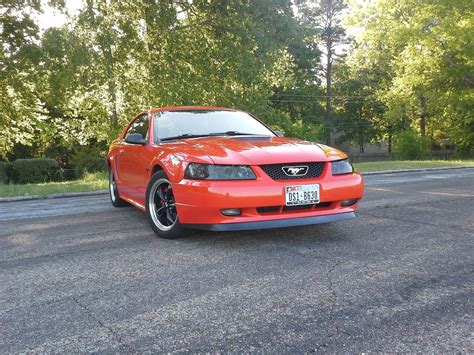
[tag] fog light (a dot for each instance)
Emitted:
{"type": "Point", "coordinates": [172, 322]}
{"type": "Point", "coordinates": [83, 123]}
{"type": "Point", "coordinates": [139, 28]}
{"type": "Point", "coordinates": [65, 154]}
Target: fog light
{"type": "Point", "coordinates": [231, 212]}
{"type": "Point", "coordinates": [348, 202]}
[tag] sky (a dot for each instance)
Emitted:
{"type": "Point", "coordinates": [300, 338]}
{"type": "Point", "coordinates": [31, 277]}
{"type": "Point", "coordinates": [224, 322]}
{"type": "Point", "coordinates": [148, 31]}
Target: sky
{"type": "Point", "coordinates": [53, 18]}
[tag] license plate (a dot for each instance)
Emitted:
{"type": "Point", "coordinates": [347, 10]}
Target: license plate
{"type": "Point", "coordinates": [301, 194]}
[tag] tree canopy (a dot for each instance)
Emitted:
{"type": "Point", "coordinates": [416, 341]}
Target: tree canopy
{"type": "Point", "coordinates": [423, 55]}
{"type": "Point", "coordinates": [78, 84]}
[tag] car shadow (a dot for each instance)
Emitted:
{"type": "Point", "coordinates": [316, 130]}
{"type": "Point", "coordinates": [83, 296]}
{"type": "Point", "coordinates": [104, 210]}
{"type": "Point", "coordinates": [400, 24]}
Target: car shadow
{"type": "Point", "coordinates": [319, 233]}
{"type": "Point", "coordinates": [307, 235]}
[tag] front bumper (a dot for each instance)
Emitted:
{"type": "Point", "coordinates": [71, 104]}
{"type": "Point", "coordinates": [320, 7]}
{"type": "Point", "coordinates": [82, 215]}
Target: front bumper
{"type": "Point", "coordinates": [278, 223]}
{"type": "Point", "coordinates": [199, 202]}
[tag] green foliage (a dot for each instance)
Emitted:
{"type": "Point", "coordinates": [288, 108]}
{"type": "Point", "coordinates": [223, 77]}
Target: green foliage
{"type": "Point", "coordinates": [90, 182]}
{"type": "Point", "coordinates": [90, 165]}
{"type": "Point", "coordinates": [357, 117]}
{"type": "Point", "coordinates": [423, 56]}
{"type": "Point", "coordinates": [90, 151]}
{"type": "Point", "coordinates": [24, 171]}
{"type": "Point", "coordinates": [78, 84]}
{"type": "Point", "coordinates": [17, 59]}
{"type": "Point", "coordinates": [409, 145]}
{"type": "Point", "coordinates": [325, 17]}
{"type": "Point", "coordinates": [409, 164]}
{"type": "Point", "coordinates": [82, 82]}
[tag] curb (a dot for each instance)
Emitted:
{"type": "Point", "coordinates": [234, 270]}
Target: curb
{"type": "Point", "coordinates": [104, 192]}
{"type": "Point", "coordinates": [62, 195]}
{"type": "Point", "coordinates": [416, 170]}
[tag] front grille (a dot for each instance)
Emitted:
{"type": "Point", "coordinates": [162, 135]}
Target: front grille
{"type": "Point", "coordinates": [283, 209]}
{"type": "Point", "coordinates": [305, 207]}
{"type": "Point", "coordinates": [268, 209]}
{"type": "Point", "coordinates": [275, 171]}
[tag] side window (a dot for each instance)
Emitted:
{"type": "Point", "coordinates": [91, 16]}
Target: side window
{"type": "Point", "coordinates": [140, 125]}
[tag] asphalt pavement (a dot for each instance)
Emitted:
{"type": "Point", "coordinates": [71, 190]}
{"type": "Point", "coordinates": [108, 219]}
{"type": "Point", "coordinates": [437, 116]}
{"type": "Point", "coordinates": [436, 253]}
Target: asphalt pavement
{"type": "Point", "coordinates": [77, 274]}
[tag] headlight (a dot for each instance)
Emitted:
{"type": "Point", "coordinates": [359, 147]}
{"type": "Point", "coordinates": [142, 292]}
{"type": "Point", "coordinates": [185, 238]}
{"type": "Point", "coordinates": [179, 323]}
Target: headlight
{"type": "Point", "coordinates": [218, 172]}
{"type": "Point", "coordinates": [341, 167]}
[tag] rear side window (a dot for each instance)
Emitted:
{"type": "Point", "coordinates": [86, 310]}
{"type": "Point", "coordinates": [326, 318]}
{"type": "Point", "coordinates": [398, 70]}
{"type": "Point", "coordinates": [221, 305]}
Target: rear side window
{"type": "Point", "coordinates": [140, 125]}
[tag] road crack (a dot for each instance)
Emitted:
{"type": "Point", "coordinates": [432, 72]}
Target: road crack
{"type": "Point", "coordinates": [114, 333]}
{"type": "Point", "coordinates": [333, 297]}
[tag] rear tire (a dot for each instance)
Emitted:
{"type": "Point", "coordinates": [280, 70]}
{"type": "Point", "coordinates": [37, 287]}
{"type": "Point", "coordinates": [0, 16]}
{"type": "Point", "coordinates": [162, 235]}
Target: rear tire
{"type": "Point", "coordinates": [160, 207]}
{"type": "Point", "coordinates": [113, 191]}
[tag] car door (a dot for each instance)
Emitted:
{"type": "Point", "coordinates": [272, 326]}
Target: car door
{"type": "Point", "coordinates": [133, 161]}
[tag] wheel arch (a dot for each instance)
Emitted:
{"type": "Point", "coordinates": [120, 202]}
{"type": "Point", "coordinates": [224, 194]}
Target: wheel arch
{"type": "Point", "coordinates": [155, 168]}
{"type": "Point", "coordinates": [108, 161]}
{"type": "Point", "coordinates": [173, 171]}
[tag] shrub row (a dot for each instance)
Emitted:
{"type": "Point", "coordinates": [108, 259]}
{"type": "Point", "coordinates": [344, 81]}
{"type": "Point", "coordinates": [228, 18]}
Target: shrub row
{"type": "Point", "coordinates": [23, 171]}
{"type": "Point", "coordinates": [3, 172]}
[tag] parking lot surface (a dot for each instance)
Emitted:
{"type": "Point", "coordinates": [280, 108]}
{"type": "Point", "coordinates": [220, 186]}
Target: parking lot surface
{"type": "Point", "coordinates": [77, 274]}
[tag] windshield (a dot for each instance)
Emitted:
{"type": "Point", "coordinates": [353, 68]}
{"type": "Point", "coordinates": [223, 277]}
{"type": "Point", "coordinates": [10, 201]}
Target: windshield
{"type": "Point", "coordinates": [170, 125]}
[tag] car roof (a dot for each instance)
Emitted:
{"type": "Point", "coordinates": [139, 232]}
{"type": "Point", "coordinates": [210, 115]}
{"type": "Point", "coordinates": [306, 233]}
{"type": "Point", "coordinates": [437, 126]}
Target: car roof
{"type": "Point", "coordinates": [191, 108]}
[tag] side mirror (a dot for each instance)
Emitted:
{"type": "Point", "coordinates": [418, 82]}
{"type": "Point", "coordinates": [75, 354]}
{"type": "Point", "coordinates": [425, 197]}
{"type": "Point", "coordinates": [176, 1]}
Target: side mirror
{"type": "Point", "coordinates": [279, 133]}
{"type": "Point", "coordinates": [135, 138]}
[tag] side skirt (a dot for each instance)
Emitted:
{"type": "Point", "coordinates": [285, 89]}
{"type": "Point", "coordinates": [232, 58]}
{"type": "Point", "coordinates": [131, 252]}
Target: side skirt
{"type": "Point", "coordinates": [133, 202]}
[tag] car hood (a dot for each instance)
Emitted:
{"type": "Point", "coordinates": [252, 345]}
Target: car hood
{"type": "Point", "coordinates": [255, 150]}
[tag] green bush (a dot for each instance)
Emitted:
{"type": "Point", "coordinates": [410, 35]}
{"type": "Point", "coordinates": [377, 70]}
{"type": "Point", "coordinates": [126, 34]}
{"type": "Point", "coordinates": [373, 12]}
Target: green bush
{"type": "Point", "coordinates": [90, 165]}
{"type": "Point", "coordinates": [11, 175]}
{"type": "Point", "coordinates": [23, 171]}
{"type": "Point", "coordinates": [3, 172]}
{"type": "Point", "coordinates": [82, 152]}
{"type": "Point", "coordinates": [409, 145]}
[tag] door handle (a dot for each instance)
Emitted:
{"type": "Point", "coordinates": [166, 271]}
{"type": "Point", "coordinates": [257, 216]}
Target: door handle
{"type": "Point", "coordinates": [121, 152]}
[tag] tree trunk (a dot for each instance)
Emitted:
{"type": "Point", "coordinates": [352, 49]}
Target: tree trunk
{"type": "Point", "coordinates": [330, 137]}
{"type": "Point", "coordinates": [361, 142]}
{"type": "Point", "coordinates": [113, 104]}
{"type": "Point", "coordinates": [423, 116]}
{"type": "Point", "coordinates": [109, 62]}
{"type": "Point", "coordinates": [111, 87]}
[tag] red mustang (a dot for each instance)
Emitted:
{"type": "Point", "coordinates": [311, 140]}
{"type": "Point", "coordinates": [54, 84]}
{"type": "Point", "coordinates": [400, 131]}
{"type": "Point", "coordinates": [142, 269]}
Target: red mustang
{"type": "Point", "coordinates": [222, 169]}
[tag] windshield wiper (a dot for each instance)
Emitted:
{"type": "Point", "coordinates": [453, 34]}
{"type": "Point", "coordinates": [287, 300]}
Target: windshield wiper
{"type": "Point", "coordinates": [185, 135]}
{"type": "Point", "coordinates": [189, 135]}
{"type": "Point", "coordinates": [231, 133]}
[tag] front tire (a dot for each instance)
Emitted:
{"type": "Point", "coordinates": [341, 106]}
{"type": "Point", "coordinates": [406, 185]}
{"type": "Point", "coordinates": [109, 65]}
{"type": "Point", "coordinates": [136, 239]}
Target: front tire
{"type": "Point", "coordinates": [160, 207]}
{"type": "Point", "coordinates": [113, 192]}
